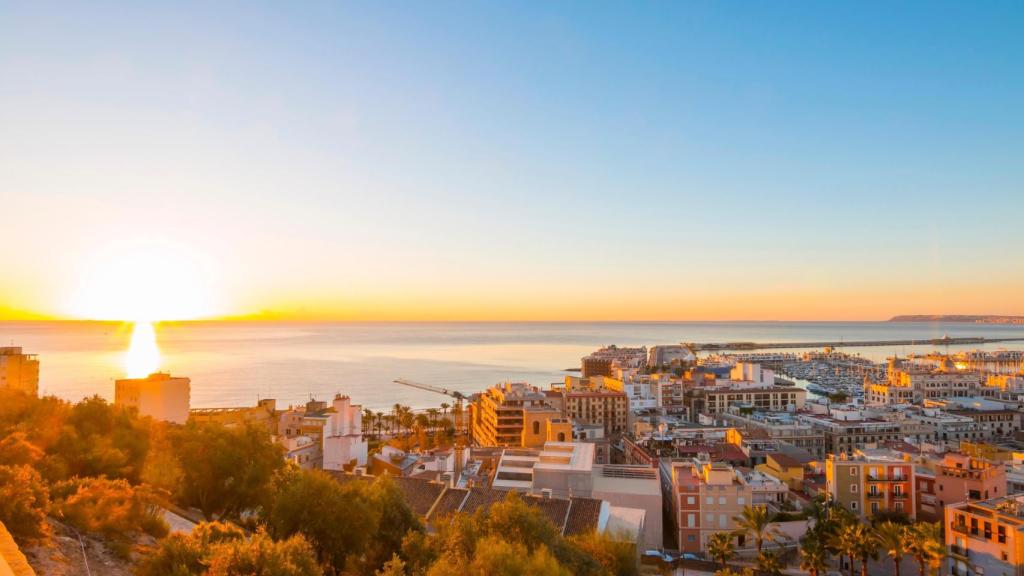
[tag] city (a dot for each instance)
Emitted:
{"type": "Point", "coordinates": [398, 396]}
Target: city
{"type": "Point", "coordinates": [692, 462]}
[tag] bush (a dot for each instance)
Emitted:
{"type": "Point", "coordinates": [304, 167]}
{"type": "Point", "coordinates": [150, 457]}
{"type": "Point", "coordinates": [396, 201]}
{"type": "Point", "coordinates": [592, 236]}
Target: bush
{"type": "Point", "coordinates": [24, 503]}
{"type": "Point", "coordinates": [112, 508]}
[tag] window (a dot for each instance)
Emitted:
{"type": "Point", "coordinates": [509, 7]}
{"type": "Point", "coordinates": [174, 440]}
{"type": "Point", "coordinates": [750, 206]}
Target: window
{"type": "Point", "coordinates": [723, 521]}
{"type": "Point", "coordinates": [691, 520]}
{"type": "Point", "coordinates": [853, 488]}
{"type": "Point", "coordinates": [721, 499]}
{"type": "Point", "coordinates": [874, 507]}
{"type": "Point", "coordinates": [853, 505]}
{"type": "Point", "coordinates": [853, 471]}
{"type": "Point", "coordinates": [691, 538]}
{"type": "Point", "coordinates": [741, 500]}
{"type": "Point", "coordinates": [899, 506]}
{"type": "Point", "coordinates": [691, 500]}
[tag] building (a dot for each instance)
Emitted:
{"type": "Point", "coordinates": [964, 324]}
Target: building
{"type": "Point", "coordinates": [959, 477]}
{"type": "Point", "coordinates": [985, 538]}
{"type": "Point", "coordinates": [786, 468]}
{"type": "Point", "coordinates": [567, 469]}
{"type": "Point", "coordinates": [703, 498]}
{"type": "Point", "coordinates": [871, 481]}
{"type": "Point", "coordinates": [642, 390]}
{"type": "Point", "coordinates": [907, 383]}
{"type": "Point", "coordinates": [762, 398]}
{"type": "Point", "coordinates": [158, 396]}
{"type": "Point", "coordinates": [263, 415]}
{"type": "Point", "coordinates": [19, 371]}
{"type": "Point", "coordinates": [848, 430]}
{"type": "Point", "coordinates": [591, 366]}
{"type": "Point", "coordinates": [670, 354]}
{"type": "Point", "coordinates": [518, 415]}
{"type": "Point", "coordinates": [589, 400]}
{"type": "Point", "coordinates": [343, 444]}
{"type": "Point", "coordinates": [782, 427]}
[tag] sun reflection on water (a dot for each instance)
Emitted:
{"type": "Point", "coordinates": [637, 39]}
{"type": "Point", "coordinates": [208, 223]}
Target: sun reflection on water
{"type": "Point", "coordinates": [143, 355]}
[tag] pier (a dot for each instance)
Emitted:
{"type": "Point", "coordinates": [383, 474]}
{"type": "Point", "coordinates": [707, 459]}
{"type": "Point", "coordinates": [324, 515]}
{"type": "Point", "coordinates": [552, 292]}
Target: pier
{"type": "Point", "coordinates": [945, 341]}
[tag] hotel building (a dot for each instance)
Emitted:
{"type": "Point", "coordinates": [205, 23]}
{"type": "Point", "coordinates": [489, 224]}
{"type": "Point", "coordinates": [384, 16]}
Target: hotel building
{"type": "Point", "coordinates": [516, 414]}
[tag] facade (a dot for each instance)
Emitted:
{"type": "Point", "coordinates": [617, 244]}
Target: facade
{"type": "Point", "coordinates": [343, 444]}
{"type": "Point", "coordinates": [158, 396]}
{"type": "Point", "coordinates": [763, 398]}
{"type": "Point", "coordinates": [703, 498]}
{"type": "Point", "coordinates": [985, 538]}
{"type": "Point", "coordinates": [870, 482]}
{"type": "Point", "coordinates": [959, 477]}
{"type": "Point", "coordinates": [847, 431]}
{"type": "Point", "coordinates": [603, 406]}
{"type": "Point", "coordinates": [781, 427]}
{"type": "Point", "coordinates": [515, 414]}
{"type": "Point", "coordinates": [19, 371]}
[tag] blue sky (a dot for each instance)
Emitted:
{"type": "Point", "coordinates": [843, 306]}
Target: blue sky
{"type": "Point", "coordinates": [530, 160]}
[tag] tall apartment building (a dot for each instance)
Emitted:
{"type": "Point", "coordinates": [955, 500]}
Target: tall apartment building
{"type": "Point", "coordinates": [516, 414]}
{"type": "Point", "coordinates": [19, 371]}
{"type": "Point", "coordinates": [343, 443]}
{"type": "Point", "coordinates": [763, 398]}
{"type": "Point", "coordinates": [703, 498]}
{"type": "Point", "coordinates": [159, 396]}
{"type": "Point", "coordinates": [871, 481]}
{"type": "Point", "coordinates": [591, 401]}
{"type": "Point", "coordinates": [604, 361]}
{"type": "Point", "coordinates": [985, 538]}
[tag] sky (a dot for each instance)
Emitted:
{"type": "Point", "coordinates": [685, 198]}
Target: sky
{"type": "Point", "coordinates": [511, 161]}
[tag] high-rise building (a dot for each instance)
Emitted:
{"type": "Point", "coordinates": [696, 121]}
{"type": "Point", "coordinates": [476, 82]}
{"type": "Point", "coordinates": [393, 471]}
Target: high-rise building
{"type": "Point", "coordinates": [985, 537]}
{"type": "Point", "coordinates": [19, 371]}
{"type": "Point", "coordinates": [159, 396]}
{"type": "Point", "coordinates": [517, 414]}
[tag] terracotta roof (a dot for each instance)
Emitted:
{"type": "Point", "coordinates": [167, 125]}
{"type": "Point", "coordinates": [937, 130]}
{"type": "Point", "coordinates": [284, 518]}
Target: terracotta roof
{"type": "Point", "coordinates": [482, 498]}
{"type": "Point", "coordinates": [785, 460]}
{"type": "Point", "coordinates": [450, 502]}
{"type": "Point", "coordinates": [584, 514]}
{"type": "Point", "coordinates": [556, 509]}
{"type": "Point", "coordinates": [420, 494]}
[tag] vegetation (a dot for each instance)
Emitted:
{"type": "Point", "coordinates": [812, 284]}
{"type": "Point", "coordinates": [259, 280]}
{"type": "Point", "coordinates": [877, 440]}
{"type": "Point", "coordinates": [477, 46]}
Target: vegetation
{"type": "Point", "coordinates": [756, 521]}
{"type": "Point", "coordinates": [108, 474]}
{"type": "Point", "coordinates": [721, 548]}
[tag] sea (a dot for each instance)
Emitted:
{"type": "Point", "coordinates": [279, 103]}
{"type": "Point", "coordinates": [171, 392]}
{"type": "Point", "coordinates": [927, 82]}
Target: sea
{"type": "Point", "coordinates": [233, 363]}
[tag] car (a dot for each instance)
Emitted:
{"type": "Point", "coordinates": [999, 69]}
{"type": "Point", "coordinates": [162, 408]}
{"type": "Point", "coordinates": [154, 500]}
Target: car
{"type": "Point", "coordinates": [688, 556]}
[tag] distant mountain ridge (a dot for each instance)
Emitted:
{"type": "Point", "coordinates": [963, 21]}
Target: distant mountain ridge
{"type": "Point", "coordinates": [972, 318]}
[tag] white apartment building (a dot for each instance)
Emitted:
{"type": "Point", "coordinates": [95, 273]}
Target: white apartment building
{"type": "Point", "coordinates": [159, 396]}
{"type": "Point", "coordinates": [343, 443]}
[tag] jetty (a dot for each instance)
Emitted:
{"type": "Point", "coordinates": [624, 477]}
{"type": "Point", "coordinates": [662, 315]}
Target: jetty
{"type": "Point", "coordinates": [944, 341]}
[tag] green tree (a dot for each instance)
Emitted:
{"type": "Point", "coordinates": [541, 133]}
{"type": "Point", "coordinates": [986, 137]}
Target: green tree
{"type": "Point", "coordinates": [598, 554]}
{"type": "Point", "coordinates": [395, 521]}
{"type": "Point", "coordinates": [813, 556]}
{"type": "Point", "coordinates": [721, 547]}
{"type": "Point", "coordinates": [393, 567]}
{"type": "Point", "coordinates": [262, 556]}
{"type": "Point", "coordinates": [769, 564]}
{"type": "Point", "coordinates": [499, 557]}
{"type": "Point", "coordinates": [16, 449]}
{"type": "Point", "coordinates": [755, 521]}
{"type": "Point", "coordinates": [24, 503]}
{"type": "Point", "coordinates": [226, 471]}
{"type": "Point", "coordinates": [310, 503]}
{"type": "Point", "coordinates": [892, 538]}
{"type": "Point", "coordinates": [927, 546]}
{"type": "Point", "coordinates": [112, 508]}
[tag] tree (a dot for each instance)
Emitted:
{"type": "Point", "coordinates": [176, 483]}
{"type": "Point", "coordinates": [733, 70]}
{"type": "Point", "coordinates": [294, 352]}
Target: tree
{"type": "Point", "coordinates": [16, 449]}
{"type": "Point", "coordinates": [112, 508]}
{"type": "Point", "coordinates": [393, 567]}
{"type": "Point", "coordinates": [24, 503]}
{"type": "Point", "coordinates": [721, 548]}
{"type": "Point", "coordinates": [262, 556]}
{"type": "Point", "coordinates": [769, 564]}
{"type": "Point", "coordinates": [226, 471]}
{"type": "Point", "coordinates": [311, 502]}
{"type": "Point", "coordinates": [892, 538]}
{"type": "Point", "coordinates": [380, 422]}
{"type": "Point", "coordinates": [847, 540]}
{"type": "Point", "coordinates": [755, 521]}
{"type": "Point", "coordinates": [499, 557]}
{"type": "Point", "coordinates": [813, 556]}
{"type": "Point", "coordinates": [731, 572]}
{"type": "Point", "coordinates": [927, 546]}
{"type": "Point", "coordinates": [598, 554]}
{"type": "Point", "coordinates": [865, 547]}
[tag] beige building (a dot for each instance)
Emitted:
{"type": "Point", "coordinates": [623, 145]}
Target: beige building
{"type": "Point", "coordinates": [263, 415]}
{"type": "Point", "coordinates": [985, 538]}
{"type": "Point", "coordinates": [871, 481]}
{"type": "Point", "coordinates": [516, 414]}
{"type": "Point", "coordinates": [762, 398]}
{"type": "Point", "coordinates": [159, 396]}
{"type": "Point", "coordinates": [19, 371]}
{"type": "Point", "coordinates": [703, 499]}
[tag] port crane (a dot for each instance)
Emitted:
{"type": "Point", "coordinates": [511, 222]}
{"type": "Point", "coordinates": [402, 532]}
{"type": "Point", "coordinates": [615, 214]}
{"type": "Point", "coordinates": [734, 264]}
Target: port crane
{"type": "Point", "coordinates": [460, 436]}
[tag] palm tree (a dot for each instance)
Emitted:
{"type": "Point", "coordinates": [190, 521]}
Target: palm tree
{"type": "Point", "coordinates": [397, 411]}
{"type": "Point", "coordinates": [926, 545]}
{"type": "Point", "coordinates": [892, 538]}
{"type": "Point", "coordinates": [432, 416]}
{"type": "Point", "coordinates": [846, 541]}
{"type": "Point", "coordinates": [720, 547]}
{"type": "Point", "coordinates": [768, 563]}
{"type": "Point", "coordinates": [813, 556]}
{"type": "Point", "coordinates": [444, 409]}
{"type": "Point", "coordinates": [865, 547]}
{"type": "Point", "coordinates": [380, 422]}
{"type": "Point", "coordinates": [756, 522]}
{"type": "Point", "coordinates": [367, 420]}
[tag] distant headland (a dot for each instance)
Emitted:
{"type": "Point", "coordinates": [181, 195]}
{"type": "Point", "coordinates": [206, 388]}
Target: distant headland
{"type": "Point", "coordinates": [974, 319]}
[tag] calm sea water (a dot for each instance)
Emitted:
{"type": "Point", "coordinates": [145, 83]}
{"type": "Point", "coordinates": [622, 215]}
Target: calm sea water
{"type": "Point", "coordinates": [234, 363]}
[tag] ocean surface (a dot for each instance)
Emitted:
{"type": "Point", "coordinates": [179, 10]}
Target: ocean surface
{"type": "Point", "coordinates": [235, 363]}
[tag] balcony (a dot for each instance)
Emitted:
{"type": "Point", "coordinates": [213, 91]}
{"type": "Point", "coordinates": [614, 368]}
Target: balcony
{"type": "Point", "coordinates": [875, 478]}
{"type": "Point", "coordinates": [900, 495]}
{"type": "Point", "coordinates": [961, 528]}
{"type": "Point", "coordinates": [958, 551]}
{"type": "Point", "coordinates": [876, 495]}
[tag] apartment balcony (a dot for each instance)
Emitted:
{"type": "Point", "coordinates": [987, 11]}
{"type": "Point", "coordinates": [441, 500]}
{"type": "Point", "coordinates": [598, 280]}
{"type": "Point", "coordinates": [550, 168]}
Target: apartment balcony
{"type": "Point", "coordinates": [900, 495]}
{"type": "Point", "coordinates": [960, 528]}
{"type": "Point", "coordinates": [959, 551]}
{"type": "Point", "coordinates": [872, 478]}
{"type": "Point", "coordinates": [876, 495]}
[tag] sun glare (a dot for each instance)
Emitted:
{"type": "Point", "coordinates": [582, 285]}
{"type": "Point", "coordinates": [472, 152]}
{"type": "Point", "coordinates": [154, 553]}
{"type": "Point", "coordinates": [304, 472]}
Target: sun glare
{"type": "Point", "coordinates": [143, 282]}
{"type": "Point", "coordinates": [143, 355]}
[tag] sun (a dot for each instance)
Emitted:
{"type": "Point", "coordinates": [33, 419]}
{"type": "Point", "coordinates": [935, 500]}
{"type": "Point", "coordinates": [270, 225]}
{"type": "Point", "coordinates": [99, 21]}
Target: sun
{"type": "Point", "coordinates": [144, 281]}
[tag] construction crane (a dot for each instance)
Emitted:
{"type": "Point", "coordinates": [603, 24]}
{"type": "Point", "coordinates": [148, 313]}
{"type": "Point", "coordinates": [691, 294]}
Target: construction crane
{"type": "Point", "coordinates": [458, 396]}
{"type": "Point", "coordinates": [460, 441]}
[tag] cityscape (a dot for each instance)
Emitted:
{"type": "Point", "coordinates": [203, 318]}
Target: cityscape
{"type": "Point", "coordinates": [512, 289]}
